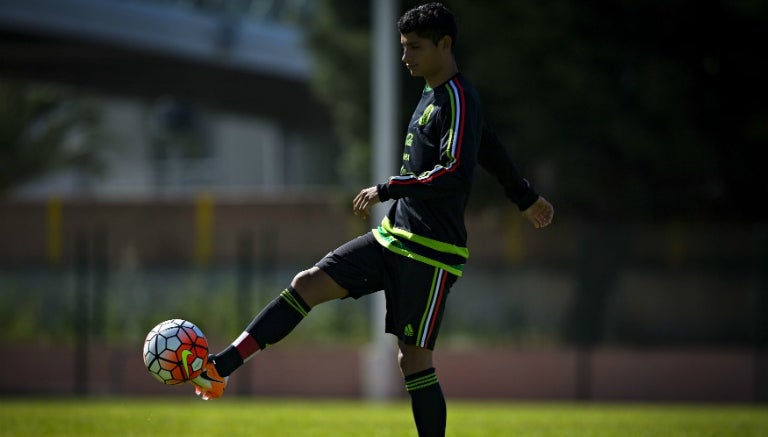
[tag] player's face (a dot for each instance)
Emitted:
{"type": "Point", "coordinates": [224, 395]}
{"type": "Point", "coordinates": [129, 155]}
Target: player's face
{"type": "Point", "coordinates": [421, 56]}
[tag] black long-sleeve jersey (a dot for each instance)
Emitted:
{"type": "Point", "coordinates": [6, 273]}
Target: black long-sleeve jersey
{"type": "Point", "coordinates": [444, 245]}
{"type": "Point", "coordinates": [426, 220]}
{"type": "Point", "coordinates": [493, 157]}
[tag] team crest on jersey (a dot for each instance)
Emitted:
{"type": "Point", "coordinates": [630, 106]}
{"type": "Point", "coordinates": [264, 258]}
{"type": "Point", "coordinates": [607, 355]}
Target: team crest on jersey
{"type": "Point", "coordinates": [426, 114]}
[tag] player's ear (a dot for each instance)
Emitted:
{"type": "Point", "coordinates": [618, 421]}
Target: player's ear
{"type": "Point", "coordinates": [445, 43]}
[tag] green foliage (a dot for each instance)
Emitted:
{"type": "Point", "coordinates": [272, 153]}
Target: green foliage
{"type": "Point", "coordinates": [39, 306]}
{"type": "Point", "coordinates": [340, 41]}
{"type": "Point", "coordinates": [620, 110]}
{"type": "Point", "coordinates": [44, 129]}
{"type": "Point", "coordinates": [590, 92]}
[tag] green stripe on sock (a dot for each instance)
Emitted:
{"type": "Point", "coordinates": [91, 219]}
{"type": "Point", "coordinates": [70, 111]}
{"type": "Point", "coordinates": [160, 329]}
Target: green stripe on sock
{"type": "Point", "coordinates": [286, 295]}
{"type": "Point", "coordinates": [421, 382]}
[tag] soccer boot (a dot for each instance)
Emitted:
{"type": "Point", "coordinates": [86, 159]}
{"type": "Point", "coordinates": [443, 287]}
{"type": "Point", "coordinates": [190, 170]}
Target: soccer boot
{"type": "Point", "coordinates": [210, 385]}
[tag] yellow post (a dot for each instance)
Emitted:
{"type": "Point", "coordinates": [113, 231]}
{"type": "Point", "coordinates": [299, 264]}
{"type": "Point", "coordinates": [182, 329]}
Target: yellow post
{"type": "Point", "coordinates": [675, 245]}
{"type": "Point", "coordinates": [203, 228]}
{"type": "Point", "coordinates": [53, 230]}
{"type": "Point", "coordinates": [514, 249]}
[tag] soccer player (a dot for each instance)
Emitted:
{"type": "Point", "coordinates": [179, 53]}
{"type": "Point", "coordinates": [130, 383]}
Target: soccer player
{"type": "Point", "coordinates": [419, 250]}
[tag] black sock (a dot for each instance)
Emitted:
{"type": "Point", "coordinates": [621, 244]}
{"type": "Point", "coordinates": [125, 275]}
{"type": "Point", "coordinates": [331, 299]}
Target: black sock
{"type": "Point", "coordinates": [427, 403]}
{"type": "Point", "coordinates": [272, 324]}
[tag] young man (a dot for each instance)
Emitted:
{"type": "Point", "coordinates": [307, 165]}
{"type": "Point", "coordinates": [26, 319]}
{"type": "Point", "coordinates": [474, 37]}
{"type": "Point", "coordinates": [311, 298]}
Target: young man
{"type": "Point", "coordinates": [419, 250]}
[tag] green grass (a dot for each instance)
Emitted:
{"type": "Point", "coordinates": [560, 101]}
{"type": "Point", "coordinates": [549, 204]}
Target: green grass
{"type": "Point", "coordinates": [265, 417]}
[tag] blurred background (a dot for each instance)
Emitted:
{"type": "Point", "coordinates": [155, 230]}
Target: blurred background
{"type": "Point", "coordinates": [185, 158]}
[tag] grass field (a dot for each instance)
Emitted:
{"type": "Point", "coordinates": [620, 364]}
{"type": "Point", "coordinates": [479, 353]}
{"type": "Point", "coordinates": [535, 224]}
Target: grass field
{"type": "Point", "coordinates": [264, 417]}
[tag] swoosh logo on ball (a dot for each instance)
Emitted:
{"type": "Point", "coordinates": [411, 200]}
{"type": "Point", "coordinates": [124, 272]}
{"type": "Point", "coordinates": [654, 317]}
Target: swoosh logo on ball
{"type": "Point", "coordinates": [184, 355]}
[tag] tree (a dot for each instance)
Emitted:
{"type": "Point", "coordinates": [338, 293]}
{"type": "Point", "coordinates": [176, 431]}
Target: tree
{"type": "Point", "coordinates": [340, 42]}
{"type": "Point", "coordinates": [44, 129]}
{"type": "Point", "coordinates": [631, 110]}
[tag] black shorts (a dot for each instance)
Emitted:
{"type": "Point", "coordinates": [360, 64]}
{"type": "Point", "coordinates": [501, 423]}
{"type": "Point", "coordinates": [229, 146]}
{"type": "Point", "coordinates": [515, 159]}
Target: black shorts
{"type": "Point", "coordinates": [415, 292]}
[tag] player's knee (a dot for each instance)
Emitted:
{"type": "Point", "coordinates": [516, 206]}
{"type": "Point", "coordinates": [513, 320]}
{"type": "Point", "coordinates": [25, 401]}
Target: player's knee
{"type": "Point", "coordinates": [402, 362]}
{"type": "Point", "coordinates": [302, 282]}
{"type": "Point", "coordinates": [306, 285]}
{"type": "Point", "coordinates": [316, 287]}
{"type": "Point", "coordinates": [413, 359]}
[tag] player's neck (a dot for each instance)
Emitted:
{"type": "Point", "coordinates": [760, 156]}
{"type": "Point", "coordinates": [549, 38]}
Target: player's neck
{"type": "Point", "coordinates": [444, 75]}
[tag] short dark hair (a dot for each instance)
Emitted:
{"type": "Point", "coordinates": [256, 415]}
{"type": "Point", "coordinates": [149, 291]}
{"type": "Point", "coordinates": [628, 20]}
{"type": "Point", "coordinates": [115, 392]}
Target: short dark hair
{"type": "Point", "coordinates": [430, 20]}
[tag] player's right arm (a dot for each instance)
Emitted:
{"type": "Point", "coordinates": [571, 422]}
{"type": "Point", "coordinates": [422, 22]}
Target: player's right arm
{"type": "Point", "coordinates": [365, 199]}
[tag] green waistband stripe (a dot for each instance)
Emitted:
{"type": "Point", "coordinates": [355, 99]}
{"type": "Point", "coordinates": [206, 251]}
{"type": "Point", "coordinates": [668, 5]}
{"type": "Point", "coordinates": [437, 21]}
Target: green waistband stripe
{"type": "Point", "coordinates": [391, 243]}
{"type": "Point", "coordinates": [424, 241]}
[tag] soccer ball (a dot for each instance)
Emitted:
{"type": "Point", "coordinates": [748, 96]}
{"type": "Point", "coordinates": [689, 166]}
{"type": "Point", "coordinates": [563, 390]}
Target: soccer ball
{"type": "Point", "coordinates": [175, 351]}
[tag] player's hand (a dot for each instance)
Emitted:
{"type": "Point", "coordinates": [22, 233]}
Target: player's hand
{"type": "Point", "coordinates": [365, 199]}
{"type": "Point", "coordinates": [540, 213]}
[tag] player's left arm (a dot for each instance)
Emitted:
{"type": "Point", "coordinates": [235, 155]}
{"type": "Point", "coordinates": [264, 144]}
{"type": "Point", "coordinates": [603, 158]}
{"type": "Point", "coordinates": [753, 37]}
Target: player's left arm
{"type": "Point", "coordinates": [540, 214]}
{"type": "Point", "coordinates": [493, 157]}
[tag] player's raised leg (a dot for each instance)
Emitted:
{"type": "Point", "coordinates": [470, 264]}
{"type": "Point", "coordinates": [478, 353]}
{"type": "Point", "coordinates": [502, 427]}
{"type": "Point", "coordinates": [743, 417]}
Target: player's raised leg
{"type": "Point", "coordinates": [308, 289]}
{"type": "Point", "coordinates": [210, 385]}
